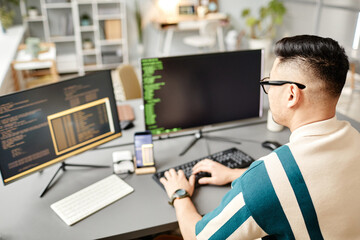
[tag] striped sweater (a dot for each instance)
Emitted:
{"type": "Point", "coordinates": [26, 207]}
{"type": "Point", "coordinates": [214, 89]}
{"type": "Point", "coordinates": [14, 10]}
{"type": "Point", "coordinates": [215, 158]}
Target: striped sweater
{"type": "Point", "coordinates": [306, 189]}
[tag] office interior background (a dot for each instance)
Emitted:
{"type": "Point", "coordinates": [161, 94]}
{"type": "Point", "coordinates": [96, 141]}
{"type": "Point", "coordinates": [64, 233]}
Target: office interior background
{"type": "Point", "coordinates": [327, 18]}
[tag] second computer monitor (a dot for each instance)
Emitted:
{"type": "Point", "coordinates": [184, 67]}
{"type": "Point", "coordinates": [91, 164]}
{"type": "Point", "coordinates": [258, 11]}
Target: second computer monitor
{"type": "Point", "coordinates": [187, 92]}
{"type": "Point", "coordinates": [43, 126]}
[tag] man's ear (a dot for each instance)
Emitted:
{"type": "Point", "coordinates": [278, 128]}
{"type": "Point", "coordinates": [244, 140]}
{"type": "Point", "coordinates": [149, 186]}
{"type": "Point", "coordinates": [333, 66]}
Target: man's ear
{"type": "Point", "coordinates": [294, 96]}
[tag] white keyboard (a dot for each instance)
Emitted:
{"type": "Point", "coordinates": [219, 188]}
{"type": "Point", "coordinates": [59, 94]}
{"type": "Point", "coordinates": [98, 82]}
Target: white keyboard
{"type": "Point", "coordinates": [91, 199]}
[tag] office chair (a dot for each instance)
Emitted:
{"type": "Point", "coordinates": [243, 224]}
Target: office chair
{"type": "Point", "coordinates": [207, 35]}
{"type": "Point", "coordinates": [129, 81]}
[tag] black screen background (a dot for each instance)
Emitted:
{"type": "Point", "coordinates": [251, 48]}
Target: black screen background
{"type": "Point", "coordinates": [208, 89]}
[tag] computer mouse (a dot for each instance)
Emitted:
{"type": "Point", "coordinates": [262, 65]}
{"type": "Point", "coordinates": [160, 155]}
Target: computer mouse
{"type": "Point", "coordinates": [126, 124]}
{"type": "Point", "coordinates": [272, 145]}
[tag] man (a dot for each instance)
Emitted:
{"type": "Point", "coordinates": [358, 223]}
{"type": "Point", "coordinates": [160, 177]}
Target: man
{"type": "Point", "coordinates": [306, 189]}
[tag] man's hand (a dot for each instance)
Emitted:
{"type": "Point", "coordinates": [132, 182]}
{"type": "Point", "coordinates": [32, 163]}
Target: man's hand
{"type": "Point", "coordinates": [220, 174]}
{"type": "Point", "coordinates": [175, 180]}
{"type": "Point", "coordinates": [186, 212]}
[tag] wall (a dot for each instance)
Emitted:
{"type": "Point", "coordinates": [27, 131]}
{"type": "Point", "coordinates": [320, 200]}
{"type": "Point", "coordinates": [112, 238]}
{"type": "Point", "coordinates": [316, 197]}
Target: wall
{"type": "Point", "coordinates": [337, 19]}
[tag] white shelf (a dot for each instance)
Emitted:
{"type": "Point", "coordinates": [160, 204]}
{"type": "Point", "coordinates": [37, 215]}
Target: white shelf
{"type": "Point", "coordinates": [62, 39]}
{"type": "Point", "coordinates": [57, 5]}
{"type": "Point", "coordinates": [34, 19]}
{"type": "Point", "coordinates": [92, 67]}
{"type": "Point", "coordinates": [51, 17]}
{"type": "Point", "coordinates": [87, 52]}
{"type": "Point", "coordinates": [109, 66]}
{"type": "Point", "coordinates": [87, 28]}
{"type": "Point", "coordinates": [111, 42]}
{"type": "Point", "coordinates": [110, 16]}
{"type": "Point", "coordinates": [108, 1]}
{"type": "Point", "coordinates": [67, 70]}
{"type": "Point", "coordinates": [81, 2]}
{"type": "Point", "coordinates": [67, 63]}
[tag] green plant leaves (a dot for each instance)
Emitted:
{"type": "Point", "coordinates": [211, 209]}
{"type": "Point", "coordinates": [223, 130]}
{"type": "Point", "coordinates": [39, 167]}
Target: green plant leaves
{"type": "Point", "coordinates": [269, 16]}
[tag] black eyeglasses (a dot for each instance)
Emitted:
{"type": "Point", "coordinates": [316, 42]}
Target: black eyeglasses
{"type": "Point", "coordinates": [265, 84]}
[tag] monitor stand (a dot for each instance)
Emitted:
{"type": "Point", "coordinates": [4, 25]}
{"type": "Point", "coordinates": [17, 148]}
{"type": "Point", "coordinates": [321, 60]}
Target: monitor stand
{"type": "Point", "coordinates": [199, 135]}
{"type": "Point", "coordinates": [63, 167]}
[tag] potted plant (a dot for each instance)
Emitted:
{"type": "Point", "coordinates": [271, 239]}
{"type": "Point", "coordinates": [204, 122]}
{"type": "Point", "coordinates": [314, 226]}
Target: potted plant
{"type": "Point", "coordinates": [32, 11]}
{"type": "Point", "coordinates": [33, 46]}
{"type": "Point", "coordinates": [139, 25]}
{"type": "Point", "coordinates": [263, 27]}
{"type": "Point", "coordinates": [85, 20]}
{"type": "Point", "coordinates": [7, 13]}
{"type": "Point", "coordinates": [88, 44]}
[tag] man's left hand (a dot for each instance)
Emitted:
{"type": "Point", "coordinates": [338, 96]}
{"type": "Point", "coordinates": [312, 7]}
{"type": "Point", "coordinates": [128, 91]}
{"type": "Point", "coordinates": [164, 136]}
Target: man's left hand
{"type": "Point", "coordinates": [177, 180]}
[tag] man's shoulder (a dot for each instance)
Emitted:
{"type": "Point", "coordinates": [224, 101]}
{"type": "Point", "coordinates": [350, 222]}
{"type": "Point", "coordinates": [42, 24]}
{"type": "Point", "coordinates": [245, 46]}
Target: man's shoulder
{"type": "Point", "coordinates": [257, 182]}
{"type": "Point", "coordinates": [254, 170]}
{"type": "Point", "coordinates": [255, 175]}
{"type": "Point", "coordinates": [257, 169]}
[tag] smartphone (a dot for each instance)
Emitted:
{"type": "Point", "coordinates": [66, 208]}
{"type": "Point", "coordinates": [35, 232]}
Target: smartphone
{"type": "Point", "coordinates": [144, 149]}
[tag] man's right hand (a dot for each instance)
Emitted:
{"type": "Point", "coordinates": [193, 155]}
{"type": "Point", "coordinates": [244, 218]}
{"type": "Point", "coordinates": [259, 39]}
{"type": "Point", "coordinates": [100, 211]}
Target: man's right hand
{"type": "Point", "coordinates": [220, 174]}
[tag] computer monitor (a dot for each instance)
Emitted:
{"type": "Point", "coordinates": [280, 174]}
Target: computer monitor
{"type": "Point", "coordinates": [43, 126]}
{"type": "Point", "coordinates": [194, 91]}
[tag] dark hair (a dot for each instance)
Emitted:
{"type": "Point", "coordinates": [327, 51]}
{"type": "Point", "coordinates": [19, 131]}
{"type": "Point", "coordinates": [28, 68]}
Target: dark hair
{"type": "Point", "coordinates": [323, 57]}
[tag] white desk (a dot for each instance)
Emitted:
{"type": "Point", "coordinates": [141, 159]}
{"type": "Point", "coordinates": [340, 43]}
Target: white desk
{"type": "Point", "coordinates": [24, 61]}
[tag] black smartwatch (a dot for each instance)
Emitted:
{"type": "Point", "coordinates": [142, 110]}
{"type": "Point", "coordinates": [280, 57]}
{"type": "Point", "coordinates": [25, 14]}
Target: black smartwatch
{"type": "Point", "coordinates": [178, 194]}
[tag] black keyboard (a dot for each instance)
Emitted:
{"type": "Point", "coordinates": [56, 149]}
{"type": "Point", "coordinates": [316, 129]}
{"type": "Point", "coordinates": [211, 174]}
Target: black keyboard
{"type": "Point", "coordinates": [232, 158]}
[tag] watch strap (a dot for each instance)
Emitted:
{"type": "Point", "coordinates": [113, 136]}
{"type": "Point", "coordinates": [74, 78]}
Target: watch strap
{"type": "Point", "coordinates": [176, 195]}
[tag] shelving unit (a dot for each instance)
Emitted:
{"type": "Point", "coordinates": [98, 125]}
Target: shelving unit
{"type": "Point", "coordinates": [59, 21]}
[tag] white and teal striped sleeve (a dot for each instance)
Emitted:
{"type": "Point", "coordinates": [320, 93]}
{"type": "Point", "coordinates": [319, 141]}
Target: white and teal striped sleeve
{"type": "Point", "coordinates": [270, 198]}
{"type": "Point", "coordinates": [231, 219]}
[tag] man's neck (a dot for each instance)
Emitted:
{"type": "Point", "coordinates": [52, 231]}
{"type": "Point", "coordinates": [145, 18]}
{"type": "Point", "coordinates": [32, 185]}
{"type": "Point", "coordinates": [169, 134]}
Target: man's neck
{"type": "Point", "coordinates": [309, 117]}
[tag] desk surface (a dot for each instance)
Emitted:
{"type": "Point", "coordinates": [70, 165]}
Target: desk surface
{"type": "Point", "coordinates": [145, 211]}
{"type": "Point", "coordinates": [188, 20]}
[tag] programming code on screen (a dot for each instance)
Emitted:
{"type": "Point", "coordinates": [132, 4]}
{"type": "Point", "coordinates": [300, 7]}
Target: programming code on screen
{"type": "Point", "coordinates": [185, 92]}
{"type": "Point", "coordinates": [45, 125]}
{"type": "Point", "coordinates": [152, 83]}
{"type": "Point", "coordinates": [81, 125]}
